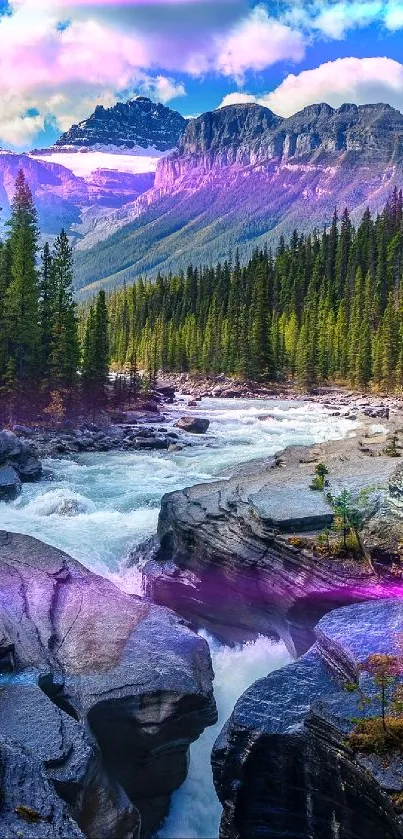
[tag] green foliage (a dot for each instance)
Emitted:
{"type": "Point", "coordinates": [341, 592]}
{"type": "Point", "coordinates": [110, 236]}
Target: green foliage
{"type": "Point", "coordinates": [350, 511]}
{"type": "Point", "coordinates": [391, 447]}
{"type": "Point", "coordinates": [95, 363]}
{"type": "Point", "coordinates": [322, 307]}
{"type": "Point", "coordinates": [318, 482]}
{"type": "Point", "coordinates": [383, 733]}
{"type": "Point", "coordinates": [39, 343]}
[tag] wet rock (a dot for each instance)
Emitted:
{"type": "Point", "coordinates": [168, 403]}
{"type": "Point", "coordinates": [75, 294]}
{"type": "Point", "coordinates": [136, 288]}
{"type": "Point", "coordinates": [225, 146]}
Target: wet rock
{"type": "Point", "coordinates": [20, 456]}
{"type": "Point", "coordinates": [194, 425]}
{"type": "Point", "coordinates": [151, 443]}
{"type": "Point", "coordinates": [10, 484]}
{"type": "Point", "coordinates": [133, 682]}
{"type": "Point", "coordinates": [167, 392]}
{"type": "Point", "coordinates": [10, 445]}
{"type": "Point", "coordinates": [282, 766]}
{"type": "Point", "coordinates": [30, 806]}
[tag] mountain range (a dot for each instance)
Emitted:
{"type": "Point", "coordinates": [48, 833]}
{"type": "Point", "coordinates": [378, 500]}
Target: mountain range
{"type": "Point", "coordinates": [141, 189]}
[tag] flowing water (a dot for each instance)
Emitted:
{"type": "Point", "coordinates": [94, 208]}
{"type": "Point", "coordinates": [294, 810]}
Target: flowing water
{"type": "Point", "coordinates": [97, 507]}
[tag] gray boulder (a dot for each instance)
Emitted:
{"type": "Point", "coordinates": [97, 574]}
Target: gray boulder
{"type": "Point", "coordinates": [227, 559]}
{"type": "Point", "coordinates": [19, 455]}
{"type": "Point", "coordinates": [194, 425]}
{"type": "Point", "coordinates": [10, 484]}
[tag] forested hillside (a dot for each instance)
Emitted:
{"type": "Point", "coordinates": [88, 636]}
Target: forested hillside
{"type": "Point", "coordinates": [40, 352]}
{"type": "Point", "coordinates": [323, 307]}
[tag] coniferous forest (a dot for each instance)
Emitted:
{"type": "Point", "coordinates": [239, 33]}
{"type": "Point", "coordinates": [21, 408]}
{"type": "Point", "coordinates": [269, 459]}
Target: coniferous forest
{"type": "Point", "coordinates": [327, 307]}
{"type": "Point", "coordinates": [43, 368]}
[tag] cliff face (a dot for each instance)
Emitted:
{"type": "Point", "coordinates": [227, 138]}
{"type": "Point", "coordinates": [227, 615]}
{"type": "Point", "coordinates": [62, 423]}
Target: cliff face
{"type": "Point", "coordinates": [248, 135]}
{"type": "Point", "coordinates": [240, 178]}
{"type": "Point", "coordinates": [282, 766]}
{"type": "Point", "coordinates": [104, 692]}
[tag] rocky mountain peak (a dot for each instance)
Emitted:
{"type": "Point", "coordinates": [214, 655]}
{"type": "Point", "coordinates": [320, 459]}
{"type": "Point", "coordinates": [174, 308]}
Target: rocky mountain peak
{"type": "Point", "coordinates": [227, 127]}
{"type": "Point", "coordinates": [137, 122]}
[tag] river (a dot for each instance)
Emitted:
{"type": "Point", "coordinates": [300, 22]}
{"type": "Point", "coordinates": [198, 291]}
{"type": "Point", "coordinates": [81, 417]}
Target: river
{"type": "Point", "coordinates": [97, 507]}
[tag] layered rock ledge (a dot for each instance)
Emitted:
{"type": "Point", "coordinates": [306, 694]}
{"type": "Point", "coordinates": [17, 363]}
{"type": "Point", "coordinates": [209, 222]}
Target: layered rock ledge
{"type": "Point", "coordinates": [101, 694]}
{"type": "Point", "coordinates": [224, 559]}
{"type": "Point", "coordinates": [282, 765]}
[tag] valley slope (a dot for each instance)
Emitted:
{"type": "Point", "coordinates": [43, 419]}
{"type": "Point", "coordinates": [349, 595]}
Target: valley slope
{"type": "Point", "coordinates": [241, 177]}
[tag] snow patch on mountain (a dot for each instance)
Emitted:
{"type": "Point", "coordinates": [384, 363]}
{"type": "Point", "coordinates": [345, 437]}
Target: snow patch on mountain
{"type": "Point", "coordinates": [84, 161]}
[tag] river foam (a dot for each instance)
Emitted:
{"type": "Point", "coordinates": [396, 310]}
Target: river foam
{"type": "Point", "coordinates": [97, 507]}
{"type": "Point", "coordinates": [195, 810]}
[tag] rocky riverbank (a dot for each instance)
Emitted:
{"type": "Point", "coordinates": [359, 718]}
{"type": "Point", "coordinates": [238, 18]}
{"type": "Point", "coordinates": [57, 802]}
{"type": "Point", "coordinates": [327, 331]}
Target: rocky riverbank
{"type": "Point", "coordinates": [198, 386]}
{"type": "Point", "coordinates": [282, 764]}
{"type": "Point", "coordinates": [239, 557]}
{"type": "Point", "coordinates": [101, 694]}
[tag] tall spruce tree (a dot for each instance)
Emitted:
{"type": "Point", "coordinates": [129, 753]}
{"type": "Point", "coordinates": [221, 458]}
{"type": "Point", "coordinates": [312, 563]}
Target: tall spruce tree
{"type": "Point", "coordinates": [95, 362]}
{"type": "Point", "coordinates": [21, 298]}
{"type": "Point", "coordinates": [64, 351]}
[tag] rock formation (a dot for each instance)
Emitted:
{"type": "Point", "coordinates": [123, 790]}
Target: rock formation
{"type": "Point", "coordinates": [282, 766]}
{"type": "Point", "coordinates": [226, 558]}
{"type": "Point", "coordinates": [101, 694]}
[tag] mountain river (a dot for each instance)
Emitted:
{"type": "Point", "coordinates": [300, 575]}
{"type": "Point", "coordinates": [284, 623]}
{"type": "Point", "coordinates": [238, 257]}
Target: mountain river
{"type": "Point", "coordinates": [97, 507]}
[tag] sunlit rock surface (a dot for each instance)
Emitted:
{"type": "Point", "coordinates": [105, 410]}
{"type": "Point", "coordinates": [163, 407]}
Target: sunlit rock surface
{"type": "Point", "coordinates": [224, 559]}
{"type": "Point", "coordinates": [106, 690]}
{"type": "Point", "coordinates": [282, 766]}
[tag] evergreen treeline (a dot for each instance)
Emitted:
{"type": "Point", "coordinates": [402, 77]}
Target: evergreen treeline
{"type": "Point", "coordinates": [328, 306]}
{"type": "Point", "coordinates": [40, 353]}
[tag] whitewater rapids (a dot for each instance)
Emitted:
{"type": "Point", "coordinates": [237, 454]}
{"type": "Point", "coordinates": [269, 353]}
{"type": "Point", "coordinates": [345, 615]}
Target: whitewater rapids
{"type": "Point", "coordinates": [97, 507]}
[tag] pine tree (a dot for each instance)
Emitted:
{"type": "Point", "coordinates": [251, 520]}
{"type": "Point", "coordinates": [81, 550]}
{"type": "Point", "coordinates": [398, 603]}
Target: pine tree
{"type": "Point", "coordinates": [21, 297]}
{"type": "Point", "coordinates": [95, 363]}
{"type": "Point", "coordinates": [64, 353]}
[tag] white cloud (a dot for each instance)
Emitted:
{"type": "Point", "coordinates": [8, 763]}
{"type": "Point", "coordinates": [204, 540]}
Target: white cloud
{"type": "Point", "coordinates": [335, 20]}
{"type": "Point", "coordinates": [163, 89]}
{"type": "Point", "coordinates": [237, 98]}
{"type": "Point", "coordinates": [394, 16]}
{"type": "Point", "coordinates": [257, 42]}
{"type": "Point", "coordinates": [357, 80]}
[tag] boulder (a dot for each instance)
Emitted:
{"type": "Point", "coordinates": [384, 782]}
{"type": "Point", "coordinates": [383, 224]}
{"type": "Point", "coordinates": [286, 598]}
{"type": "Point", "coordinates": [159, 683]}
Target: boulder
{"type": "Point", "coordinates": [10, 484]}
{"type": "Point", "coordinates": [167, 392]}
{"type": "Point", "coordinates": [10, 445]}
{"type": "Point", "coordinates": [128, 687]}
{"type": "Point", "coordinates": [151, 443]}
{"type": "Point", "coordinates": [282, 764]}
{"type": "Point", "coordinates": [195, 425]}
{"type": "Point", "coordinates": [20, 456]}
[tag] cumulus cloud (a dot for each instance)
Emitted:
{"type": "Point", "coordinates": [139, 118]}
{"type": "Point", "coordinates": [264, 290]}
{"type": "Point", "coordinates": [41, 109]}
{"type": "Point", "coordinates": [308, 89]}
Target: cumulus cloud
{"type": "Point", "coordinates": [257, 42]}
{"type": "Point", "coordinates": [357, 80]}
{"type": "Point", "coordinates": [59, 58]}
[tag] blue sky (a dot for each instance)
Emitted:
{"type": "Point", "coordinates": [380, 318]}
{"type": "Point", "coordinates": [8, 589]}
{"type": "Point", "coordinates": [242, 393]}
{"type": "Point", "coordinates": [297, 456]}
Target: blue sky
{"type": "Point", "coordinates": [60, 58]}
